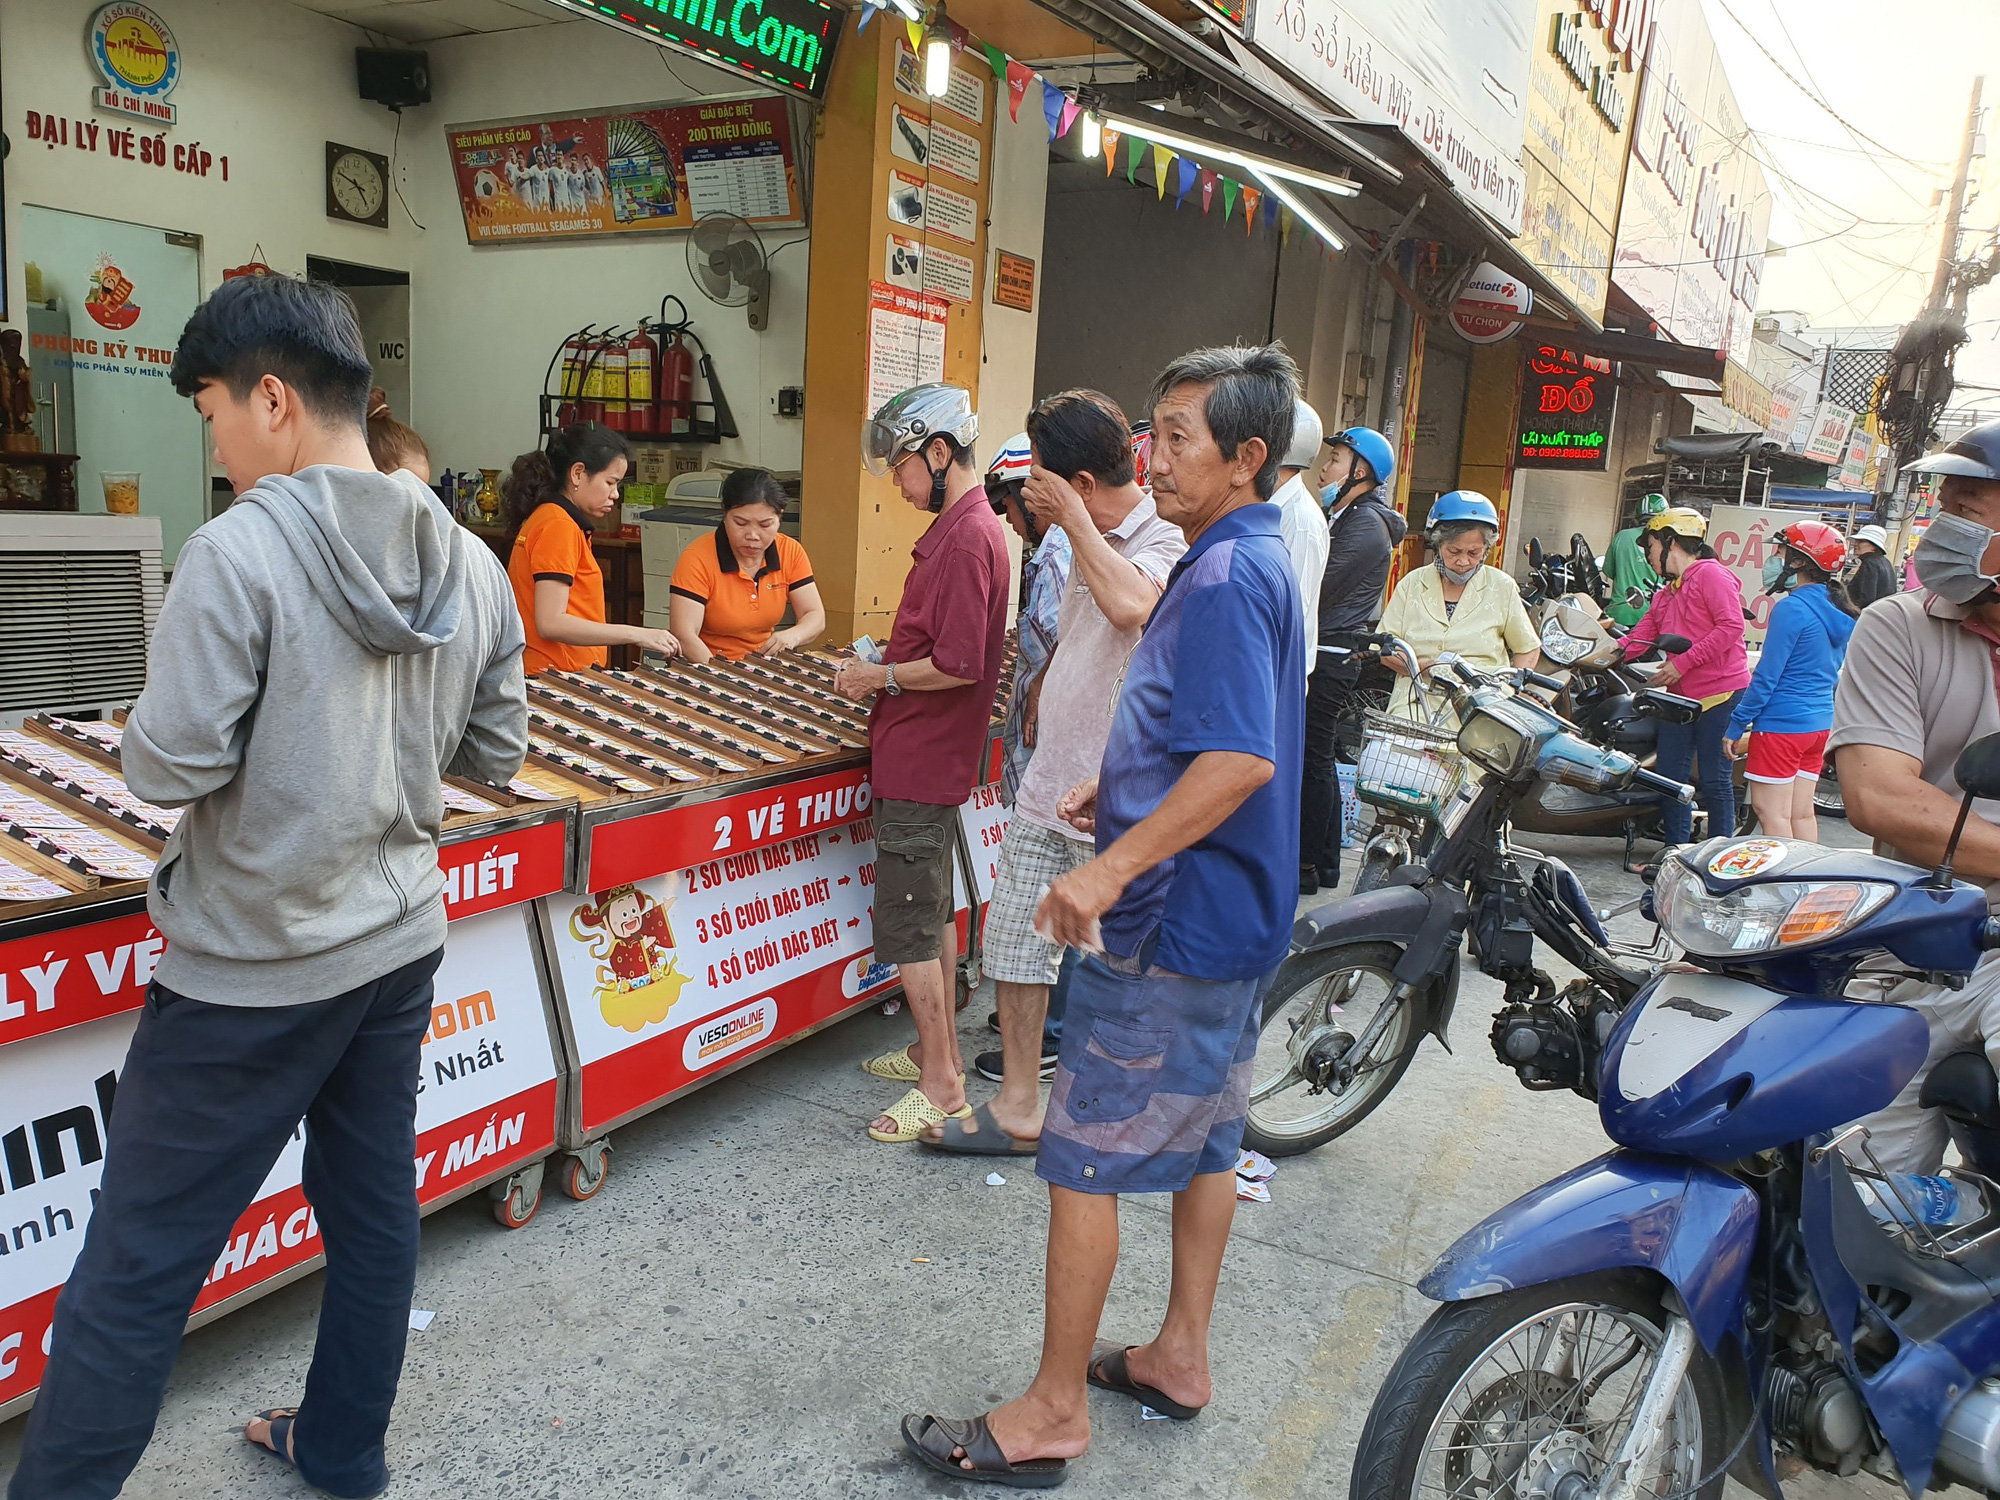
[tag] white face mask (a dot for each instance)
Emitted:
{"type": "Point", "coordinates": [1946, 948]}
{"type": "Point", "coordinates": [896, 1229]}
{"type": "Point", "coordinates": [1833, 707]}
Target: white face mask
{"type": "Point", "coordinates": [1952, 559]}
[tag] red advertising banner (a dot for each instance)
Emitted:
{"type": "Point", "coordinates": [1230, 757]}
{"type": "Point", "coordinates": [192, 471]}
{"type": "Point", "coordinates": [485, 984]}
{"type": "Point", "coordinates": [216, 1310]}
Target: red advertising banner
{"type": "Point", "coordinates": [676, 838]}
{"type": "Point", "coordinates": [627, 171]}
{"type": "Point", "coordinates": [485, 874]}
{"type": "Point", "coordinates": [76, 974]}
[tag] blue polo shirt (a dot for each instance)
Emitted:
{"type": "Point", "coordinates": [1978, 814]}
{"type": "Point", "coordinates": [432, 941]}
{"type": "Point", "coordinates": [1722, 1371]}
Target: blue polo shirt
{"type": "Point", "coordinates": [1221, 666]}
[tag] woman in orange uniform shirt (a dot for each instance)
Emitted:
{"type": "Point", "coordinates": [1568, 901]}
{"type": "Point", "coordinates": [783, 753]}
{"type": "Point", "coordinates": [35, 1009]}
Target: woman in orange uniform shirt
{"type": "Point", "coordinates": [730, 589]}
{"type": "Point", "coordinates": [552, 497]}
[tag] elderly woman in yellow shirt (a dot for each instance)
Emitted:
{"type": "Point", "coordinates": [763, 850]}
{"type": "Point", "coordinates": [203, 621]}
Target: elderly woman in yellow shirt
{"type": "Point", "coordinates": [1459, 605]}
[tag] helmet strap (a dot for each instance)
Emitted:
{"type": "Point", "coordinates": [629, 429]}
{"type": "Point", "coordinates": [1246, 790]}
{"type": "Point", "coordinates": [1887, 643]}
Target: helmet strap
{"type": "Point", "coordinates": [938, 477]}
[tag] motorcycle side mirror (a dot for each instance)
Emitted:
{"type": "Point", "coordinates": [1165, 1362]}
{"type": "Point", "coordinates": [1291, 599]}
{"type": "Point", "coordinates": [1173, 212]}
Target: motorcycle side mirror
{"type": "Point", "coordinates": [1670, 708]}
{"type": "Point", "coordinates": [1534, 552]}
{"type": "Point", "coordinates": [1977, 771]}
{"type": "Point", "coordinates": [1674, 645]}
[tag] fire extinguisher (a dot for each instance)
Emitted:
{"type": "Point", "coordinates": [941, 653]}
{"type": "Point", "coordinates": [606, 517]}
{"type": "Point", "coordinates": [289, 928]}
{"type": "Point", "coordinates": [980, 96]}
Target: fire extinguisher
{"type": "Point", "coordinates": [641, 355]}
{"type": "Point", "coordinates": [575, 356]}
{"type": "Point", "coordinates": [676, 388]}
{"type": "Point", "coordinates": [590, 405]}
{"type": "Point", "coordinates": [615, 367]}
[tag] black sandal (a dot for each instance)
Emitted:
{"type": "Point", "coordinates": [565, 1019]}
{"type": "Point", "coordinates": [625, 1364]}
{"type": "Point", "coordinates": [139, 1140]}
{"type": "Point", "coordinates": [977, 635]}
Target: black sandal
{"type": "Point", "coordinates": [278, 1433]}
{"type": "Point", "coordinates": [988, 1140]}
{"type": "Point", "coordinates": [1108, 1372]}
{"type": "Point", "coordinates": [935, 1441]}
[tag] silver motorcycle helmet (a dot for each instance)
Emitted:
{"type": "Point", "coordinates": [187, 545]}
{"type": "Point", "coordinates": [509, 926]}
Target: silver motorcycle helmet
{"type": "Point", "coordinates": [910, 419]}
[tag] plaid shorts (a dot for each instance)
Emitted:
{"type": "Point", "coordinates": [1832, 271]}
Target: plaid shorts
{"type": "Point", "coordinates": [1031, 857]}
{"type": "Point", "coordinates": [1153, 1078]}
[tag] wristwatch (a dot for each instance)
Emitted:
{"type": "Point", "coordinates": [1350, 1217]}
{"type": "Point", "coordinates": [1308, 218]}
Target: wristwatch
{"type": "Point", "coordinates": [889, 681]}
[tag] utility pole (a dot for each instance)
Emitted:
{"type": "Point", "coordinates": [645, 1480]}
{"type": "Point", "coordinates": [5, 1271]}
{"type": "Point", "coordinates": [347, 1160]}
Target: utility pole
{"type": "Point", "coordinates": [1920, 378]}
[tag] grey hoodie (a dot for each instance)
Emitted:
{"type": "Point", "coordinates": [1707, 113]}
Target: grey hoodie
{"type": "Point", "coordinates": [330, 644]}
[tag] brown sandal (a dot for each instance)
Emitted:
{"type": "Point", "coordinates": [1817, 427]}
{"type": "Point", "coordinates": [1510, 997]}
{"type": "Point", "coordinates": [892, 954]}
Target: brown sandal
{"type": "Point", "coordinates": [937, 1443]}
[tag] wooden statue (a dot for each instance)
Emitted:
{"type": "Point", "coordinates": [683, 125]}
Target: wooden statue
{"type": "Point", "coordinates": [17, 396]}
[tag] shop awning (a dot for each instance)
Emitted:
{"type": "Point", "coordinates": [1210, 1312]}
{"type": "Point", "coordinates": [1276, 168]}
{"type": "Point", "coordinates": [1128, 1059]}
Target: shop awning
{"type": "Point", "coordinates": [1716, 445]}
{"type": "Point", "coordinates": [1145, 35]}
{"type": "Point", "coordinates": [1795, 494]}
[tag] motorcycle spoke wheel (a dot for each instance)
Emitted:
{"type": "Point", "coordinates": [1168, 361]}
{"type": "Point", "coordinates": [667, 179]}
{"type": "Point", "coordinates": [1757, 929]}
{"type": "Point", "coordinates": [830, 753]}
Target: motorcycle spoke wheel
{"type": "Point", "coordinates": [1338, 995]}
{"type": "Point", "coordinates": [1528, 1395]}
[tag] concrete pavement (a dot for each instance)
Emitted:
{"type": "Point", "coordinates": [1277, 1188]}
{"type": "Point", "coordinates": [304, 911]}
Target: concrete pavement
{"type": "Point", "coordinates": [760, 1292]}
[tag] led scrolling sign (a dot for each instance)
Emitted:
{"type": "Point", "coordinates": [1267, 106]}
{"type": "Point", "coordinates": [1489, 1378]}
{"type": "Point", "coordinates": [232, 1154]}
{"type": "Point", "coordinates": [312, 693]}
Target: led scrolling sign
{"type": "Point", "coordinates": [1567, 401]}
{"type": "Point", "coordinates": [784, 42]}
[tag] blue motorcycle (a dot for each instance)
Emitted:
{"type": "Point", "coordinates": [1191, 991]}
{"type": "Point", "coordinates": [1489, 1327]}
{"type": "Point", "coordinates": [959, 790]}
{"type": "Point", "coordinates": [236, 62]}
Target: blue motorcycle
{"type": "Point", "coordinates": [1739, 1290]}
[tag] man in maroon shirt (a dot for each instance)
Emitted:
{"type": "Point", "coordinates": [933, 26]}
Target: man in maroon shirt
{"type": "Point", "coordinates": [929, 726]}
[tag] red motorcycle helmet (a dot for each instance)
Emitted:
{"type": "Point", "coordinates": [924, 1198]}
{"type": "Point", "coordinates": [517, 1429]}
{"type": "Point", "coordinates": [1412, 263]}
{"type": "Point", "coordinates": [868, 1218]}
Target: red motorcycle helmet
{"type": "Point", "coordinates": [1820, 543]}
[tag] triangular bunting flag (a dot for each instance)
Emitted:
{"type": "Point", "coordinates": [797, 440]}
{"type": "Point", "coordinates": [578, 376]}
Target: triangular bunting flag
{"type": "Point", "coordinates": [1250, 197]}
{"type": "Point", "coordinates": [1018, 76]}
{"type": "Point", "coordinates": [1161, 156]}
{"type": "Point", "coordinates": [868, 13]}
{"type": "Point", "coordinates": [1135, 147]}
{"type": "Point", "coordinates": [1052, 103]}
{"type": "Point", "coordinates": [1285, 227]}
{"type": "Point", "coordinates": [916, 31]}
{"type": "Point", "coordinates": [1110, 149]}
{"type": "Point", "coordinates": [996, 60]}
{"type": "Point", "coordinates": [1271, 207]}
{"type": "Point", "coordinates": [1186, 171]}
{"type": "Point", "coordinates": [960, 37]}
{"type": "Point", "coordinates": [1071, 109]}
{"type": "Point", "coordinates": [1229, 191]}
{"type": "Point", "coordinates": [1207, 189]}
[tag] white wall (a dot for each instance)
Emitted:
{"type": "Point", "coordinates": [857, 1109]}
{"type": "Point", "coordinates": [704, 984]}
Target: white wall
{"type": "Point", "coordinates": [264, 83]}
{"type": "Point", "coordinates": [485, 319]}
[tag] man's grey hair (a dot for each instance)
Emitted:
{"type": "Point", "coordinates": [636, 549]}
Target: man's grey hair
{"type": "Point", "coordinates": [1250, 392]}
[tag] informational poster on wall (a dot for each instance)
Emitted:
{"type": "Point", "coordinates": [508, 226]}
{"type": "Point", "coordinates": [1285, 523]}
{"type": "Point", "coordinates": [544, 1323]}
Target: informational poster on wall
{"type": "Point", "coordinates": [486, 1100]}
{"type": "Point", "coordinates": [647, 168]}
{"type": "Point", "coordinates": [928, 206]}
{"type": "Point", "coordinates": [905, 340]}
{"type": "Point", "coordinates": [668, 978]}
{"type": "Point", "coordinates": [932, 268]}
{"type": "Point", "coordinates": [964, 95]}
{"type": "Point", "coordinates": [933, 145]}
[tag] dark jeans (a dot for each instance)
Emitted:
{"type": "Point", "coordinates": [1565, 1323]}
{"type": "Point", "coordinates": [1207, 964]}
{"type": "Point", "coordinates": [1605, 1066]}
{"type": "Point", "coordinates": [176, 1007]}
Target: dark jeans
{"type": "Point", "coordinates": [1327, 694]}
{"type": "Point", "coordinates": [1679, 748]}
{"type": "Point", "coordinates": [1059, 999]}
{"type": "Point", "coordinates": [208, 1098]}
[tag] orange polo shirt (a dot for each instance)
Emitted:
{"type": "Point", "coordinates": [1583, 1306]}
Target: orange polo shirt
{"type": "Point", "coordinates": [738, 613]}
{"type": "Point", "coordinates": [554, 544]}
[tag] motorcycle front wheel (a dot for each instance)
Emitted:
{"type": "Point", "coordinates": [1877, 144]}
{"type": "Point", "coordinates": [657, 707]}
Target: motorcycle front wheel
{"type": "Point", "coordinates": [1321, 1005]}
{"type": "Point", "coordinates": [1531, 1392]}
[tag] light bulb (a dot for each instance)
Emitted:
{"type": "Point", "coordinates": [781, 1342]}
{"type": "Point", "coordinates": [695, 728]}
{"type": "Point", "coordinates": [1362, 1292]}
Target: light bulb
{"type": "Point", "coordinates": [1093, 135]}
{"type": "Point", "coordinates": [937, 64]}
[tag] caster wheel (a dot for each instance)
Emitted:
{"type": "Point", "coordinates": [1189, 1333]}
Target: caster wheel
{"type": "Point", "coordinates": [582, 1173]}
{"type": "Point", "coordinates": [516, 1209]}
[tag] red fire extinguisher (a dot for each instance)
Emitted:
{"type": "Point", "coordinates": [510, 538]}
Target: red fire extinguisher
{"type": "Point", "coordinates": [675, 386]}
{"type": "Point", "coordinates": [641, 355]}
{"type": "Point", "coordinates": [575, 360]}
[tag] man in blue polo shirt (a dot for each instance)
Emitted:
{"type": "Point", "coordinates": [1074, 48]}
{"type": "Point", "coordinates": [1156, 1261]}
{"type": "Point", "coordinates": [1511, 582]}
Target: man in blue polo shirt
{"type": "Point", "coordinates": [1187, 906]}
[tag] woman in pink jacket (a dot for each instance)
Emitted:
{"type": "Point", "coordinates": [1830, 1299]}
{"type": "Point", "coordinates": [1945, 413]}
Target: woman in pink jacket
{"type": "Point", "coordinates": [1702, 601]}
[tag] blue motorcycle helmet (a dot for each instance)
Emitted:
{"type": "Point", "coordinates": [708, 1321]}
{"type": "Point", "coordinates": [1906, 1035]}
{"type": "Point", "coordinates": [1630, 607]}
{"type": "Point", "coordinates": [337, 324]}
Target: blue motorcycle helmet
{"type": "Point", "coordinates": [1974, 456]}
{"type": "Point", "coordinates": [1463, 505]}
{"type": "Point", "coordinates": [1371, 448]}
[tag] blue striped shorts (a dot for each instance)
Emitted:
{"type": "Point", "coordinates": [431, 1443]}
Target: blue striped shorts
{"type": "Point", "coordinates": [1152, 1079]}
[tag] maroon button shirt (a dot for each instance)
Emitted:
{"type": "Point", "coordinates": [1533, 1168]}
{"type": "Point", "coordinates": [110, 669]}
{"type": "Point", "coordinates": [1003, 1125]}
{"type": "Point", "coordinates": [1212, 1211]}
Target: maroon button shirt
{"type": "Point", "coordinates": [928, 747]}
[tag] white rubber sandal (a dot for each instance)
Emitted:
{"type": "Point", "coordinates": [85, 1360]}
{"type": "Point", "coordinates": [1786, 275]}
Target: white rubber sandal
{"type": "Point", "coordinates": [914, 1114]}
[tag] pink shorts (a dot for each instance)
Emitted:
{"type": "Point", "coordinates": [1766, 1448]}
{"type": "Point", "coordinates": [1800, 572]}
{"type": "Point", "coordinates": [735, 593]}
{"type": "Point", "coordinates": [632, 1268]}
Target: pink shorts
{"type": "Point", "coordinates": [1778, 758]}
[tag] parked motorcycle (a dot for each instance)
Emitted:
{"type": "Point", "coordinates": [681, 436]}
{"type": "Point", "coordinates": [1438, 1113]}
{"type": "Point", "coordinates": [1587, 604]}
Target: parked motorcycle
{"type": "Point", "coordinates": [1554, 575]}
{"type": "Point", "coordinates": [1739, 1283]}
{"type": "Point", "coordinates": [1371, 975]}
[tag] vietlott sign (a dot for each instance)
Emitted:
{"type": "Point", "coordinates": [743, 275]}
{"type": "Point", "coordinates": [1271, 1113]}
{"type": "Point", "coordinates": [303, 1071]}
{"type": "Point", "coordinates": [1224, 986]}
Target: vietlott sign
{"type": "Point", "coordinates": [135, 53]}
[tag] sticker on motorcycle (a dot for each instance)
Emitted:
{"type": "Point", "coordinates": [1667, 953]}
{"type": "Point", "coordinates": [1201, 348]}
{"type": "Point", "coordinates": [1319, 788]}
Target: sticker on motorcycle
{"type": "Point", "coordinates": [1750, 857]}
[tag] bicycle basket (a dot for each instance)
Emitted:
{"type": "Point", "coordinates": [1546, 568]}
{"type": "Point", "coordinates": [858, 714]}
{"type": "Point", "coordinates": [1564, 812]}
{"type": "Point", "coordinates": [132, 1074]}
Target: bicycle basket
{"type": "Point", "coordinates": [1407, 766]}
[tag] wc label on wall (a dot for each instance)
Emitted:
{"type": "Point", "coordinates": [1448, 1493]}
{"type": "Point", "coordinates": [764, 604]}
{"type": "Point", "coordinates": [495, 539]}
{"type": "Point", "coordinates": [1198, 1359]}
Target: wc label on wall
{"type": "Point", "coordinates": [135, 53]}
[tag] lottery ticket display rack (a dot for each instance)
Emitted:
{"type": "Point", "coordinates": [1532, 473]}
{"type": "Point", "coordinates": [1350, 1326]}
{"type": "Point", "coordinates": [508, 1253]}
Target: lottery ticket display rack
{"type": "Point", "coordinates": [680, 880]}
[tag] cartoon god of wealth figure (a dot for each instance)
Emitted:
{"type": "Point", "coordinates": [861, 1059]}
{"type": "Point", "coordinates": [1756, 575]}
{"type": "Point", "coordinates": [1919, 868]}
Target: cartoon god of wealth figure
{"type": "Point", "coordinates": [638, 975]}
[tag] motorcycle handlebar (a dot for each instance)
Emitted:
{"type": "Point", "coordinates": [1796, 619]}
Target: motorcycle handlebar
{"type": "Point", "coordinates": [1679, 791]}
{"type": "Point", "coordinates": [1536, 679]}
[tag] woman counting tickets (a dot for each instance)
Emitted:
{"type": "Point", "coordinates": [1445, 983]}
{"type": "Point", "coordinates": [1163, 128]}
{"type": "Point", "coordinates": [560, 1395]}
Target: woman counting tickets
{"type": "Point", "coordinates": [730, 588]}
{"type": "Point", "coordinates": [552, 496]}
{"type": "Point", "coordinates": [1460, 605]}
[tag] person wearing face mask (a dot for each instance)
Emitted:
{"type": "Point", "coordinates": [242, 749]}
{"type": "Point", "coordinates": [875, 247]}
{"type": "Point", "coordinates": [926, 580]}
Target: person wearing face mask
{"type": "Point", "coordinates": [1460, 604]}
{"type": "Point", "coordinates": [1355, 474]}
{"type": "Point", "coordinates": [1918, 687]}
{"type": "Point", "coordinates": [1701, 600]}
{"type": "Point", "coordinates": [1790, 697]}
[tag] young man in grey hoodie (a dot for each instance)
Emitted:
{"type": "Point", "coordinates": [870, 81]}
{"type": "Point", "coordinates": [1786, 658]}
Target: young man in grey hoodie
{"type": "Point", "coordinates": [329, 646]}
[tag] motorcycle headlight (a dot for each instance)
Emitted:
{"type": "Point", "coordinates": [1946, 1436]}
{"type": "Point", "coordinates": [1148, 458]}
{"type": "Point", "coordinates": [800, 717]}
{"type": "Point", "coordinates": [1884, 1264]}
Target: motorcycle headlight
{"type": "Point", "coordinates": [1492, 743]}
{"type": "Point", "coordinates": [1759, 918]}
{"type": "Point", "coordinates": [1560, 647]}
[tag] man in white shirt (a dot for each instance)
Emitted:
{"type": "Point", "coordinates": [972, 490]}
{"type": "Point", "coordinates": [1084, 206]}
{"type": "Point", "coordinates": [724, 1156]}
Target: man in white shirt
{"type": "Point", "coordinates": [1303, 522]}
{"type": "Point", "coordinates": [1121, 552]}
